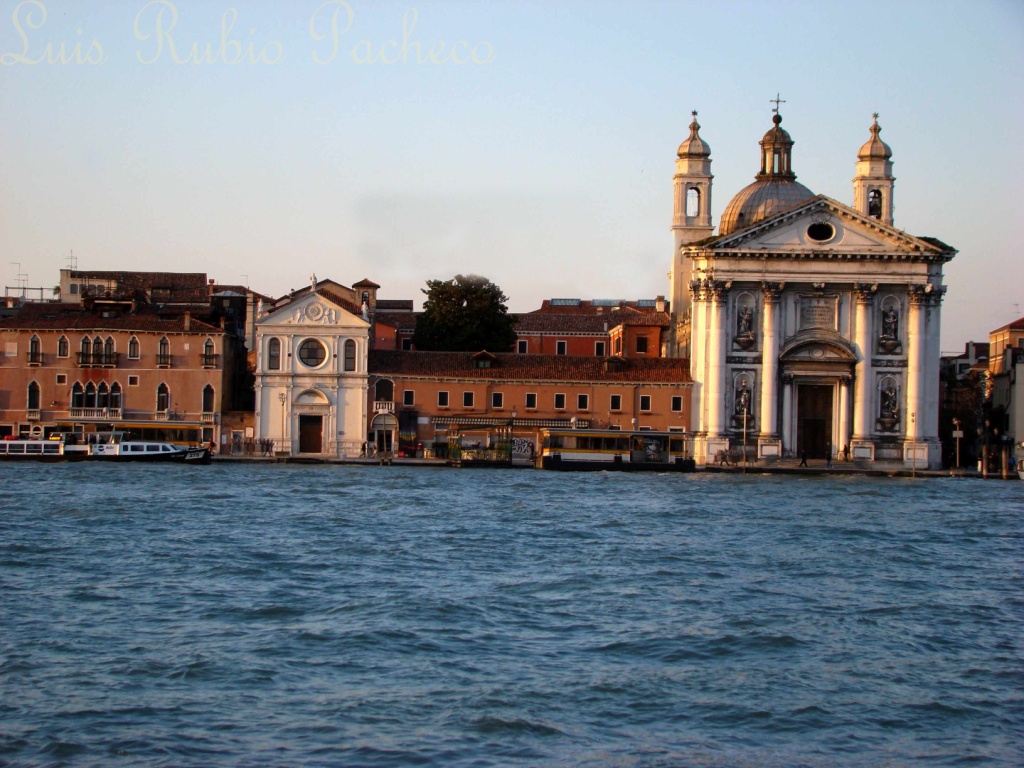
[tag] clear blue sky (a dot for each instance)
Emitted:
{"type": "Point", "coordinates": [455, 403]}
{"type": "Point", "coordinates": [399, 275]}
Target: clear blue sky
{"type": "Point", "coordinates": [544, 164]}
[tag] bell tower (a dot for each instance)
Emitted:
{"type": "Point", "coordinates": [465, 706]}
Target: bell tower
{"type": "Point", "coordinates": [691, 221]}
{"type": "Point", "coordinates": [874, 182]}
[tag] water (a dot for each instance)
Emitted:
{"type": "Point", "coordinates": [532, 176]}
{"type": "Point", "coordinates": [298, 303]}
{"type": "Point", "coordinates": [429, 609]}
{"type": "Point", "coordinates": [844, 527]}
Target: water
{"type": "Point", "coordinates": [341, 616]}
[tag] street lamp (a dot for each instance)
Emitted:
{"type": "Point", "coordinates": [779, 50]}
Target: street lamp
{"type": "Point", "coordinates": [282, 397]}
{"type": "Point", "coordinates": [511, 424]}
{"type": "Point", "coordinates": [957, 434]}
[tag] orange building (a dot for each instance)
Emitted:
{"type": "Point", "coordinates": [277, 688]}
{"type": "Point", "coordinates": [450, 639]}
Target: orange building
{"type": "Point", "coordinates": [114, 364]}
{"type": "Point", "coordinates": [435, 396]}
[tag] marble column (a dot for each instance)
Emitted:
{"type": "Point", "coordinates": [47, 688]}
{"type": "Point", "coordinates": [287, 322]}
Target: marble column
{"type": "Point", "coordinates": [844, 414]}
{"type": "Point", "coordinates": [716, 359]}
{"type": "Point", "coordinates": [787, 415]}
{"type": "Point", "coordinates": [769, 359]}
{"type": "Point", "coordinates": [934, 353]}
{"type": "Point", "coordinates": [916, 363]}
{"type": "Point", "coordinates": [863, 388]}
{"type": "Point", "coordinates": [698, 349]}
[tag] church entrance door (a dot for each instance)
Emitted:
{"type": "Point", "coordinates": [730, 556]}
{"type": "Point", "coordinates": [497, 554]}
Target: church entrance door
{"type": "Point", "coordinates": [311, 434]}
{"type": "Point", "coordinates": [814, 420]}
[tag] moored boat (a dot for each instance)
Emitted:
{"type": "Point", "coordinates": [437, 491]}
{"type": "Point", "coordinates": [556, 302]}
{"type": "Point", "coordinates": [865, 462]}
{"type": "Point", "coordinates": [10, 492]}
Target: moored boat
{"type": "Point", "coordinates": [42, 450]}
{"type": "Point", "coordinates": [614, 450]}
{"type": "Point", "coordinates": [118, 449]}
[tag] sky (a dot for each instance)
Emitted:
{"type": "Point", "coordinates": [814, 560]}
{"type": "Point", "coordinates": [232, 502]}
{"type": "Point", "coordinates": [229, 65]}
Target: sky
{"type": "Point", "coordinates": [532, 143]}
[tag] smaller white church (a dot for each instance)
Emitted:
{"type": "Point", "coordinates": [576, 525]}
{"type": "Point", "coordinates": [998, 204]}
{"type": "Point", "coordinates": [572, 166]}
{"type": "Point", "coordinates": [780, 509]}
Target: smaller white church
{"type": "Point", "coordinates": [311, 377]}
{"type": "Point", "coordinates": [812, 326]}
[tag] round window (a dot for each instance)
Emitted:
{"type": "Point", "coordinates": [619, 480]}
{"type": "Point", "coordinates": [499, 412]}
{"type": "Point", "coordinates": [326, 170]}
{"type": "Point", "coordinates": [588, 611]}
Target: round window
{"type": "Point", "coordinates": [312, 353]}
{"type": "Point", "coordinates": [821, 232]}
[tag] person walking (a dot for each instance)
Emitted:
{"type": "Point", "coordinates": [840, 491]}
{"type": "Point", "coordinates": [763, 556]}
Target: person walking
{"type": "Point", "coordinates": [828, 455]}
{"type": "Point", "coordinates": [803, 457]}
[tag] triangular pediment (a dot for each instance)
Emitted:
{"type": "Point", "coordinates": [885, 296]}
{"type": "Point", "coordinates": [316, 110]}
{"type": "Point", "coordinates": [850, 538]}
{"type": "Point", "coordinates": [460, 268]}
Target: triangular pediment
{"type": "Point", "coordinates": [825, 227]}
{"type": "Point", "coordinates": [314, 309]}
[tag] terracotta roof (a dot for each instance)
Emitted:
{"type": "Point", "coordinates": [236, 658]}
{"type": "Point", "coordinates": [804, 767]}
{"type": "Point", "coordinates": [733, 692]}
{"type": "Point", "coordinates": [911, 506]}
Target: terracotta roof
{"type": "Point", "coordinates": [1016, 325]}
{"type": "Point", "coordinates": [590, 306]}
{"type": "Point", "coordinates": [183, 286]}
{"type": "Point", "coordinates": [405, 321]}
{"type": "Point", "coordinates": [365, 283]}
{"type": "Point", "coordinates": [71, 317]}
{"type": "Point", "coordinates": [397, 305]}
{"type": "Point", "coordinates": [343, 303]}
{"type": "Point", "coordinates": [543, 322]}
{"type": "Point", "coordinates": [508, 366]}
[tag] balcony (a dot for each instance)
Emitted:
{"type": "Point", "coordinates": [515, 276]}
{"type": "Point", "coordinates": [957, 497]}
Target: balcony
{"type": "Point", "coordinates": [208, 417]}
{"type": "Point", "coordinates": [163, 361]}
{"type": "Point", "coordinates": [383, 406]}
{"type": "Point", "coordinates": [34, 357]}
{"type": "Point", "coordinates": [32, 414]}
{"type": "Point", "coordinates": [100, 360]}
{"type": "Point", "coordinates": [96, 414]}
{"type": "Point", "coordinates": [209, 361]}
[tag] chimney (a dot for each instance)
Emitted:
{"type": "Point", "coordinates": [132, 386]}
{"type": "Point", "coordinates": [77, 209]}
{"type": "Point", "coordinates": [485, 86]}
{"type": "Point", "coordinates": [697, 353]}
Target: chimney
{"type": "Point", "coordinates": [659, 303]}
{"type": "Point", "coordinates": [210, 290]}
{"type": "Point", "coordinates": [188, 321]}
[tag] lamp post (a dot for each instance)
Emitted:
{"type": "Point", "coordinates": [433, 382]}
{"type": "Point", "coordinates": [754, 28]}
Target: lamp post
{"type": "Point", "coordinates": [744, 441]}
{"type": "Point", "coordinates": [282, 397]}
{"type": "Point", "coordinates": [913, 449]}
{"type": "Point", "coordinates": [511, 424]}
{"type": "Point", "coordinates": [957, 434]}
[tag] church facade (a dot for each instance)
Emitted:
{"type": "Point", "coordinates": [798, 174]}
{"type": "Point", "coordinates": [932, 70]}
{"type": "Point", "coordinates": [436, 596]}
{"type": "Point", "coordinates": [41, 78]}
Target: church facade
{"type": "Point", "coordinates": [812, 326]}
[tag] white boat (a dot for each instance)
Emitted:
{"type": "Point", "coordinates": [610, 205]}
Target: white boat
{"type": "Point", "coordinates": [616, 450]}
{"type": "Point", "coordinates": [116, 448]}
{"type": "Point", "coordinates": [41, 450]}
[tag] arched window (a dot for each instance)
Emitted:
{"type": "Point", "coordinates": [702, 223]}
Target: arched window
{"type": "Point", "coordinates": [163, 398]}
{"type": "Point", "coordinates": [97, 350]}
{"type": "Point", "coordinates": [384, 391]}
{"type": "Point", "coordinates": [86, 351]}
{"type": "Point", "coordinates": [35, 354]}
{"type": "Point", "coordinates": [209, 355]}
{"type": "Point", "coordinates": [692, 202]}
{"type": "Point", "coordinates": [62, 346]}
{"type": "Point", "coordinates": [115, 395]}
{"type": "Point", "coordinates": [350, 355]}
{"type": "Point", "coordinates": [208, 399]}
{"type": "Point", "coordinates": [102, 396]}
{"type": "Point", "coordinates": [90, 395]}
{"type": "Point", "coordinates": [274, 355]}
{"type": "Point", "coordinates": [33, 396]}
{"type": "Point", "coordinates": [108, 350]}
{"type": "Point", "coordinates": [77, 396]}
{"type": "Point", "coordinates": [163, 355]}
{"type": "Point", "coordinates": [133, 348]}
{"type": "Point", "coordinates": [875, 204]}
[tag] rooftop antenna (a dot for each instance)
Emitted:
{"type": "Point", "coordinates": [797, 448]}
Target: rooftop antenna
{"type": "Point", "coordinates": [246, 280]}
{"type": "Point", "coordinates": [20, 278]}
{"type": "Point", "coordinates": [72, 261]}
{"type": "Point", "coordinates": [1016, 309]}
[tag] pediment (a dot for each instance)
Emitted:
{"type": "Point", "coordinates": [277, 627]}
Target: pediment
{"type": "Point", "coordinates": [824, 227]}
{"type": "Point", "coordinates": [817, 349]}
{"type": "Point", "coordinates": [314, 310]}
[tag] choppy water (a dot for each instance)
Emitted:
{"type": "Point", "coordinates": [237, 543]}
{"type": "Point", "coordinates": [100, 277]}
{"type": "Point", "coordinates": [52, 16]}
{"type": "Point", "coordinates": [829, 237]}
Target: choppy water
{"type": "Point", "coordinates": [323, 616]}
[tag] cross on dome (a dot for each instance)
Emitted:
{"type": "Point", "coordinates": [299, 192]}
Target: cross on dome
{"type": "Point", "coordinates": [776, 101]}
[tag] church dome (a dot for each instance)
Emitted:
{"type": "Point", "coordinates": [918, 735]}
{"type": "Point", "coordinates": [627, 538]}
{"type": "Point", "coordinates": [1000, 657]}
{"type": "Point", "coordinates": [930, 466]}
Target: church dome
{"type": "Point", "coordinates": [694, 146]}
{"type": "Point", "coordinates": [875, 147]}
{"type": "Point", "coordinates": [775, 187]}
{"type": "Point", "coordinates": [757, 201]}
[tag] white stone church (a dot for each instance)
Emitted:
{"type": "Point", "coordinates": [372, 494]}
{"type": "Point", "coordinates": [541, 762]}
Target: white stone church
{"type": "Point", "coordinates": [812, 326]}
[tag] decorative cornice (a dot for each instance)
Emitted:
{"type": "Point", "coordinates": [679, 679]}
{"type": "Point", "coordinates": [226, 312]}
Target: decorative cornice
{"type": "Point", "coordinates": [771, 290]}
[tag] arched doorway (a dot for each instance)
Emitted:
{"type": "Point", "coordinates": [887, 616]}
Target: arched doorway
{"type": "Point", "coordinates": [816, 372]}
{"type": "Point", "coordinates": [384, 432]}
{"type": "Point", "coordinates": [312, 408]}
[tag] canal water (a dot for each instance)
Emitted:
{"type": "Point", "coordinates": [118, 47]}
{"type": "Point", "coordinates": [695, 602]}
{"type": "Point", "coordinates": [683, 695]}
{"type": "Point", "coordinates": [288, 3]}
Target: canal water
{"type": "Point", "coordinates": [241, 615]}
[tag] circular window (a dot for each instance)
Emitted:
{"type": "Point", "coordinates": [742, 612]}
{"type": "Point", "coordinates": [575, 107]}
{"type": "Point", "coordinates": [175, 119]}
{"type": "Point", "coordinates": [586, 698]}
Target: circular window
{"type": "Point", "coordinates": [821, 232]}
{"type": "Point", "coordinates": [312, 353]}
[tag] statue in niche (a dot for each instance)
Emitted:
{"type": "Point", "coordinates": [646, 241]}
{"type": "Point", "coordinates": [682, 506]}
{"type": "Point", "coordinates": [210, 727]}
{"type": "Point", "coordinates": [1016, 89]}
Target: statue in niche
{"type": "Point", "coordinates": [889, 409]}
{"type": "Point", "coordinates": [745, 328]}
{"type": "Point", "coordinates": [889, 341]}
{"type": "Point", "coordinates": [742, 408]}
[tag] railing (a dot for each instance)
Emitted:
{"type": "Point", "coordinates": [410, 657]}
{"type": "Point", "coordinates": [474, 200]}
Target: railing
{"type": "Point", "coordinates": [32, 414]}
{"type": "Point", "coordinates": [163, 361]}
{"type": "Point", "coordinates": [208, 417]}
{"type": "Point", "coordinates": [35, 357]}
{"type": "Point", "coordinates": [101, 360]}
{"type": "Point", "coordinates": [209, 361]}
{"type": "Point", "coordinates": [383, 406]}
{"type": "Point", "coordinates": [106, 414]}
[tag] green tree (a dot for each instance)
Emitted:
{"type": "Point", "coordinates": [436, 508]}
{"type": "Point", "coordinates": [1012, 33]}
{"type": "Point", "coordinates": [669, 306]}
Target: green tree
{"type": "Point", "coordinates": [464, 314]}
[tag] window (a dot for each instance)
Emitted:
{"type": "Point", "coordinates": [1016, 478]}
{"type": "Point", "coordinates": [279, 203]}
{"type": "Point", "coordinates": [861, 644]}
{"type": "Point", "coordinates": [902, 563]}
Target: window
{"type": "Point", "coordinates": [133, 381]}
{"type": "Point", "coordinates": [467, 399]}
{"type": "Point", "coordinates": [85, 350]}
{"type": "Point", "coordinates": [497, 400]}
{"type": "Point", "coordinates": [163, 355]}
{"type": "Point", "coordinates": [62, 378]}
{"type": "Point", "coordinates": [274, 355]}
{"type": "Point", "coordinates": [522, 346]}
{"type": "Point", "coordinates": [531, 400]}
{"type": "Point", "coordinates": [62, 346]}
{"type": "Point", "coordinates": [133, 348]}
{"type": "Point", "coordinates": [350, 355]}
{"type": "Point", "coordinates": [97, 350]}
{"type": "Point", "coordinates": [209, 356]}
{"type": "Point", "coordinates": [442, 399]}
{"type": "Point", "coordinates": [73, 288]}
{"type": "Point", "coordinates": [35, 354]}
{"type": "Point", "coordinates": [615, 403]}
{"type": "Point", "coordinates": [618, 345]}
{"type": "Point", "coordinates": [312, 353]}
{"type": "Point", "coordinates": [115, 395]}
{"type": "Point", "coordinates": [406, 345]}
{"type": "Point", "coordinates": [408, 397]}
{"type": "Point", "coordinates": [875, 204]}
{"type": "Point", "coordinates": [677, 403]}
{"type": "Point", "coordinates": [33, 396]}
{"type": "Point", "coordinates": [641, 345]}
{"type": "Point", "coordinates": [108, 351]}
{"type": "Point", "coordinates": [599, 348]}
{"type": "Point", "coordinates": [90, 395]}
{"type": "Point", "coordinates": [559, 401]}
{"type": "Point", "coordinates": [692, 202]}
{"type": "Point", "coordinates": [645, 402]}
{"type": "Point", "coordinates": [102, 396]}
{"type": "Point", "coordinates": [582, 402]}
{"type": "Point", "coordinates": [560, 347]}
{"type": "Point", "coordinates": [77, 396]}
{"type": "Point", "coordinates": [163, 398]}
{"type": "Point", "coordinates": [208, 396]}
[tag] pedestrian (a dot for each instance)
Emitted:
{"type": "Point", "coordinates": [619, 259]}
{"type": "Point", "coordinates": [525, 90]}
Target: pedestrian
{"type": "Point", "coordinates": [846, 452]}
{"type": "Point", "coordinates": [828, 455]}
{"type": "Point", "coordinates": [803, 457]}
